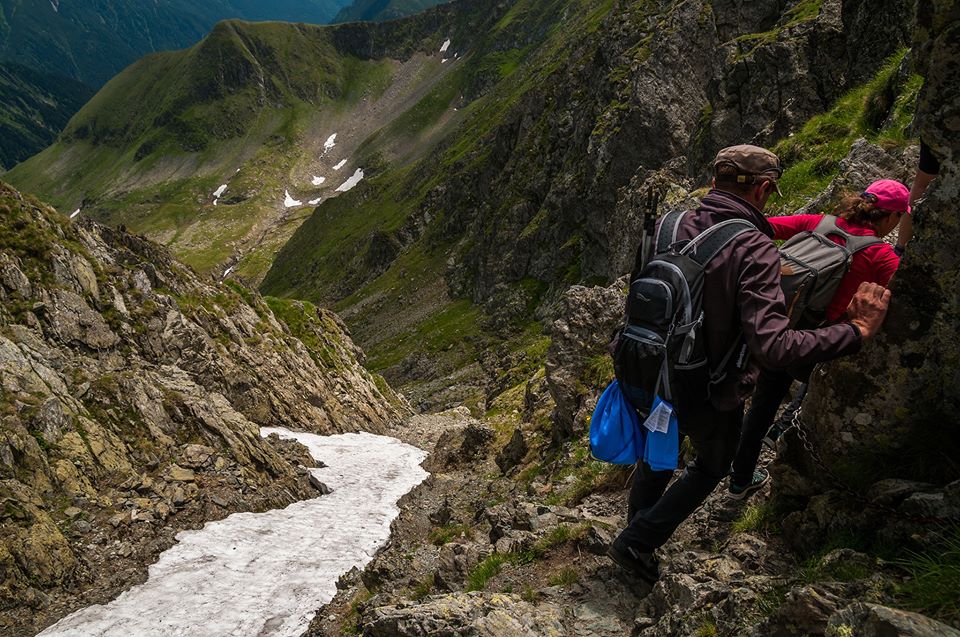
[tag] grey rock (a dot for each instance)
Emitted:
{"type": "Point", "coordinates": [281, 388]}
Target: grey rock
{"type": "Point", "coordinates": [936, 506]}
{"type": "Point", "coordinates": [465, 615]}
{"type": "Point", "coordinates": [514, 451]}
{"type": "Point", "coordinates": [892, 491]}
{"type": "Point", "coordinates": [320, 486]}
{"type": "Point", "coordinates": [872, 620]}
{"type": "Point", "coordinates": [806, 611]}
{"type": "Point", "coordinates": [196, 456]}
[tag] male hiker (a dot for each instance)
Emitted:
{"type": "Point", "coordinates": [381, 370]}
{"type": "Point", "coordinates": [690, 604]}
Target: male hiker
{"type": "Point", "coordinates": [742, 298]}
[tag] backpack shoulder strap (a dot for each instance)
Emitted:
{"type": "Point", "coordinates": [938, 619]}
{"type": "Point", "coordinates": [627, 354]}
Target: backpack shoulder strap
{"type": "Point", "coordinates": [667, 235]}
{"type": "Point", "coordinates": [711, 241]}
{"type": "Point", "coordinates": [855, 243]}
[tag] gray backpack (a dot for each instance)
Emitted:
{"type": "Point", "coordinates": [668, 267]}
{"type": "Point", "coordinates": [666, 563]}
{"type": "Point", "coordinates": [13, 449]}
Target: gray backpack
{"type": "Point", "coordinates": [812, 266]}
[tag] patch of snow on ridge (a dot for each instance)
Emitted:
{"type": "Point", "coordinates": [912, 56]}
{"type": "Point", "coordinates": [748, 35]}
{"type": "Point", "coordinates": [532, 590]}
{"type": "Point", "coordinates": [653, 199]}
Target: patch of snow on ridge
{"type": "Point", "coordinates": [219, 191]}
{"type": "Point", "coordinates": [315, 202]}
{"type": "Point", "coordinates": [330, 143]}
{"type": "Point", "coordinates": [318, 180]}
{"type": "Point", "coordinates": [75, 213]}
{"type": "Point", "coordinates": [446, 45]}
{"type": "Point", "coordinates": [289, 201]}
{"type": "Point", "coordinates": [353, 181]}
{"type": "Point", "coordinates": [268, 573]}
{"type": "Point", "coordinates": [340, 165]}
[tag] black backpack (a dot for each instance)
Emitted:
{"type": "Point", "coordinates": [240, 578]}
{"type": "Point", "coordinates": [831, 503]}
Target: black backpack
{"type": "Point", "coordinates": [660, 350]}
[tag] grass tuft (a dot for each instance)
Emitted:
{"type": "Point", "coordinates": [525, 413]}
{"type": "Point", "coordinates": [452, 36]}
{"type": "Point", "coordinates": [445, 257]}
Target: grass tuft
{"type": "Point", "coordinates": [934, 585]}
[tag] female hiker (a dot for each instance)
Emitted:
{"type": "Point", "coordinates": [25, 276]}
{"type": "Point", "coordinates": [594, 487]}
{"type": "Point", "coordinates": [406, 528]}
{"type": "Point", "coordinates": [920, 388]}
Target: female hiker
{"type": "Point", "coordinates": [874, 212]}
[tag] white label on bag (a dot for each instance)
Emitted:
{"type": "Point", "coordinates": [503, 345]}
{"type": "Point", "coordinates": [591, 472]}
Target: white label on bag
{"type": "Point", "coordinates": [659, 419]}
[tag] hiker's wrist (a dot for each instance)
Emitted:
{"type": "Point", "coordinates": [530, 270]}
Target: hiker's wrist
{"type": "Point", "coordinates": [862, 334]}
{"type": "Point", "coordinates": [899, 250]}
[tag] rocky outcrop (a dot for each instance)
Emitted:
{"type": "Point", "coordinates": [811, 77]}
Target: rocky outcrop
{"type": "Point", "coordinates": [587, 318]}
{"type": "Point", "coordinates": [132, 393]}
{"type": "Point", "coordinates": [886, 412]}
{"type": "Point", "coordinates": [466, 615]}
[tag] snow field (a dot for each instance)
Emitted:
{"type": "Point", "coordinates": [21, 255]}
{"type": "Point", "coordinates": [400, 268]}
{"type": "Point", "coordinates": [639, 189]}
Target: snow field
{"type": "Point", "coordinates": [351, 182]}
{"type": "Point", "coordinates": [267, 573]}
{"type": "Point", "coordinates": [290, 202]}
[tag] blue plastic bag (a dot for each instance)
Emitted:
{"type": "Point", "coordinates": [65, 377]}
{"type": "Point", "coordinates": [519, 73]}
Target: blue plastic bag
{"type": "Point", "coordinates": [661, 450]}
{"type": "Point", "coordinates": [615, 433]}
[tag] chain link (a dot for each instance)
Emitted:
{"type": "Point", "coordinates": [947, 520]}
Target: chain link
{"type": "Point", "coordinates": [797, 424]}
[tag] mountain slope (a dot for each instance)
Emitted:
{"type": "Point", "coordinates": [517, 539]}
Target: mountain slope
{"type": "Point", "coordinates": [253, 107]}
{"type": "Point", "coordinates": [569, 108]}
{"type": "Point", "coordinates": [92, 41]}
{"type": "Point", "coordinates": [34, 108]}
{"type": "Point", "coordinates": [379, 10]}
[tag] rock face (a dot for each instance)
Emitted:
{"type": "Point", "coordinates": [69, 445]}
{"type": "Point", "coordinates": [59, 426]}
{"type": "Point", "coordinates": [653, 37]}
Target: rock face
{"type": "Point", "coordinates": [131, 398]}
{"type": "Point", "coordinates": [886, 411]}
{"type": "Point", "coordinates": [587, 319]}
{"type": "Point", "coordinates": [467, 615]}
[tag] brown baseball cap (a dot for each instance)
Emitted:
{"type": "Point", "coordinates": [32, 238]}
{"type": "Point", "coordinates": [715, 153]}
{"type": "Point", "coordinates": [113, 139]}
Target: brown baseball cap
{"type": "Point", "coordinates": [752, 163]}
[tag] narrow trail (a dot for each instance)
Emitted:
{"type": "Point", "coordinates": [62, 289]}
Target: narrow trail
{"type": "Point", "coordinates": [266, 574]}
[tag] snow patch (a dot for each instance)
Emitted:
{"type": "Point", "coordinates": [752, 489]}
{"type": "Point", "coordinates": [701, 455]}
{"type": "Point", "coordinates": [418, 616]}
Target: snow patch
{"type": "Point", "coordinates": [75, 213]}
{"type": "Point", "coordinates": [443, 61]}
{"type": "Point", "coordinates": [268, 573]}
{"type": "Point", "coordinates": [446, 45]}
{"type": "Point", "coordinates": [330, 143]}
{"type": "Point", "coordinates": [316, 181]}
{"type": "Point", "coordinates": [353, 181]}
{"type": "Point", "coordinates": [219, 191]}
{"type": "Point", "coordinates": [340, 165]}
{"type": "Point", "coordinates": [289, 201]}
{"type": "Point", "coordinates": [315, 202]}
{"type": "Point", "coordinates": [227, 273]}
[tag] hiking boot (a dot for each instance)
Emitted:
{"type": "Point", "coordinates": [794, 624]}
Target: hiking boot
{"type": "Point", "coordinates": [770, 440]}
{"type": "Point", "coordinates": [738, 492]}
{"type": "Point", "coordinates": [643, 565]}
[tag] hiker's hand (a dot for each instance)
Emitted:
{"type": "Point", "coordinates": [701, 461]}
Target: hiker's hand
{"type": "Point", "coordinates": [868, 308]}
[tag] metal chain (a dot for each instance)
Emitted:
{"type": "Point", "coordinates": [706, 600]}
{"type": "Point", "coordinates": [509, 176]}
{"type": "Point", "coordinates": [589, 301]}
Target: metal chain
{"type": "Point", "coordinates": [797, 424]}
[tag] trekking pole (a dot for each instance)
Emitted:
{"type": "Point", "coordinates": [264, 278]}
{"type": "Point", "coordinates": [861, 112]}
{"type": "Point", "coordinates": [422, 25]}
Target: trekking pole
{"type": "Point", "coordinates": [649, 224]}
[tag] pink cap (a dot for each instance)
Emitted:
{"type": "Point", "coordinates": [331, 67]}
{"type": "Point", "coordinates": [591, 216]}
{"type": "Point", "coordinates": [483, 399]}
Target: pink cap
{"type": "Point", "coordinates": [890, 195]}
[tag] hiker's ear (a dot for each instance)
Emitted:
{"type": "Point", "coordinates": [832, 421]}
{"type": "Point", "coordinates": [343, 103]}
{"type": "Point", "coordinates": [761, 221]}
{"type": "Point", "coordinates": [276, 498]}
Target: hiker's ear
{"type": "Point", "coordinates": [713, 182]}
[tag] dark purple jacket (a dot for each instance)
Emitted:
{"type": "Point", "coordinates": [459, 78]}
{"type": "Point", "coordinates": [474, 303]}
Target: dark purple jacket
{"type": "Point", "coordinates": [742, 291]}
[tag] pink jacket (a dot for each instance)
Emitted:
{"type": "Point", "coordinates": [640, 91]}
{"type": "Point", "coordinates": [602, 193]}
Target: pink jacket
{"type": "Point", "coordinates": [874, 264]}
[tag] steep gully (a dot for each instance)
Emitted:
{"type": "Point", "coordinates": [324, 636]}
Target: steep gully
{"type": "Point", "coordinates": [267, 573]}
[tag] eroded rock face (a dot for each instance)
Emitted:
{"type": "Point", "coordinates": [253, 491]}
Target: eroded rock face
{"type": "Point", "coordinates": [886, 411]}
{"type": "Point", "coordinates": [466, 615]}
{"type": "Point", "coordinates": [588, 317]}
{"type": "Point", "coordinates": [132, 393]}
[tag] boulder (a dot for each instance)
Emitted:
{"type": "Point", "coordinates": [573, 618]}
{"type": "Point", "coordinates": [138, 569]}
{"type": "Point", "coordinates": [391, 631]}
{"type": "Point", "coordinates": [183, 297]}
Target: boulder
{"type": "Point", "coordinates": [514, 451]}
{"type": "Point", "coordinates": [588, 317]}
{"type": "Point", "coordinates": [465, 615]}
{"type": "Point", "coordinates": [872, 620]}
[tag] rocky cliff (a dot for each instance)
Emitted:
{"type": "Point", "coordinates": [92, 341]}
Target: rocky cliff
{"type": "Point", "coordinates": [133, 392]}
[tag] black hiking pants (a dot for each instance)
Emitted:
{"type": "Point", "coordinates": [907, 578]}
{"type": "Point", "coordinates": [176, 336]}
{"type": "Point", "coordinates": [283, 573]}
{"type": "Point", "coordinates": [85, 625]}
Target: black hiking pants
{"type": "Point", "coordinates": [655, 511]}
{"type": "Point", "coordinates": [772, 388]}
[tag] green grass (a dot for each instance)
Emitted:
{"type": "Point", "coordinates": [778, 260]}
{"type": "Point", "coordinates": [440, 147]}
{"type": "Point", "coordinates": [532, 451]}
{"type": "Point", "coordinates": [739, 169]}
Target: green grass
{"type": "Point", "coordinates": [881, 111]}
{"type": "Point", "coordinates": [707, 628]}
{"type": "Point", "coordinates": [756, 517]}
{"type": "Point", "coordinates": [493, 564]}
{"type": "Point", "coordinates": [441, 535]}
{"type": "Point", "coordinates": [306, 324]}
{"type": "Point", "coordinates": [934, 584]}
{"type": "Point", "coordinates": [565, 577]}
{"type": "Point", "coordinates": [804, 11]}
